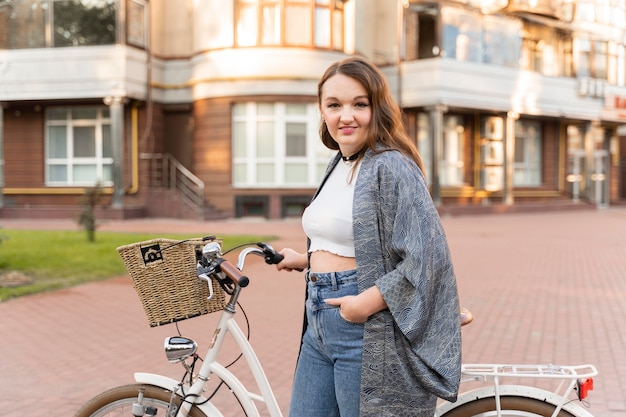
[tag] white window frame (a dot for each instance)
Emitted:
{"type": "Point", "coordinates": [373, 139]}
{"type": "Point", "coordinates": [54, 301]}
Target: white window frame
{"type": "Point", "coordinates": [316, 158]}
{"type": "Point", "coordinates": [70, 161]}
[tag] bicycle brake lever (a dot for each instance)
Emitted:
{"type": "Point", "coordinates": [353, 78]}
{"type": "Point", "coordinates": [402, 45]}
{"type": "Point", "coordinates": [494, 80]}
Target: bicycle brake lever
{"type": "Point", "coordinates": [271, 256]}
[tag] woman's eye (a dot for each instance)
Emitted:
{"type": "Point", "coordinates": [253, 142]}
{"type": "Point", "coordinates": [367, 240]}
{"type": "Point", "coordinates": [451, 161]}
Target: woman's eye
{"type": "Point", "coordinates": [362, 104]}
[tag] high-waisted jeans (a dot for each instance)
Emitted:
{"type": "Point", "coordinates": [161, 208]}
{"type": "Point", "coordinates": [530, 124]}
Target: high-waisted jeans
{"type": "Point", "coordinates": [328, 374]}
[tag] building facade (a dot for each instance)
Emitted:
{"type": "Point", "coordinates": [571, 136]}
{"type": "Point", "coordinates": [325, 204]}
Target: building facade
{"type": "Point", "coordinates": [207, 108]}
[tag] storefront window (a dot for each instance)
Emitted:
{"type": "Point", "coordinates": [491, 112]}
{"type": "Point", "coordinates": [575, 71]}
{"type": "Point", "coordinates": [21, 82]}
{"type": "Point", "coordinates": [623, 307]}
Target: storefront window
{"type": "Point", "coordinates": [527, 157]}
{"type": "Point", "coordinates": [452, 158]}
{"type": "Point", "coordinates": [277, 145]}
{"type": "Point", "coordinates": [78, 146]}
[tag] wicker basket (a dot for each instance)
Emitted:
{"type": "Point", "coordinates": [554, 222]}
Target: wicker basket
{"type": "Point", "coordinates": [166, 280]}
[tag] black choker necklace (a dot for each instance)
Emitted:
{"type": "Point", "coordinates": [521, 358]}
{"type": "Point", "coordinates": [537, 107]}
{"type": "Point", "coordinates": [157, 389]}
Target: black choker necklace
{"type": "Point", "coordinates": [351, 157]}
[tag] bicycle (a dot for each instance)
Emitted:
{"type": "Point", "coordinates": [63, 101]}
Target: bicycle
{"type": "Point", "coordinates": [153, 394]}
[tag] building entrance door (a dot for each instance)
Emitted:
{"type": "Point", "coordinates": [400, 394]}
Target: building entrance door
{"type": "Point", "coordinates": [598, 178]}
{"type": "Point", "coordinates": [622, 168]}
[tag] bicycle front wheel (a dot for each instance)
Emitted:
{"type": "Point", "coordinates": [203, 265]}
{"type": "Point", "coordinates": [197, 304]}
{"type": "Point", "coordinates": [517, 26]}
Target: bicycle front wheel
{"type": "Point", "coordinates": [119, 402]}
{"type": "Point", "coordinates": [510, 407]}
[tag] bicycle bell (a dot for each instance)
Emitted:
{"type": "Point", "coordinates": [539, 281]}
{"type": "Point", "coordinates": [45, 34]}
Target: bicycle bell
{"type": "Point", "coordinates": [211, 251]}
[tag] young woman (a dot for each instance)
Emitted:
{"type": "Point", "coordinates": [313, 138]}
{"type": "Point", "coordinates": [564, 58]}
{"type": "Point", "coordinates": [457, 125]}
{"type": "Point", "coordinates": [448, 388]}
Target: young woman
{"type": "Point", "coordinates": [382, 326]}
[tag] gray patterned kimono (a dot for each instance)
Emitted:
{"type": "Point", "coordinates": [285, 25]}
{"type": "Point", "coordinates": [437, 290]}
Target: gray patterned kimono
{"type": "Point", "coordinates": [412, 350]}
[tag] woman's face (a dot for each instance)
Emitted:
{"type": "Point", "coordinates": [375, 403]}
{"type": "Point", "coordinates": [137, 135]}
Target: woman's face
{"type": "Point", "coordinates": [347, 112]}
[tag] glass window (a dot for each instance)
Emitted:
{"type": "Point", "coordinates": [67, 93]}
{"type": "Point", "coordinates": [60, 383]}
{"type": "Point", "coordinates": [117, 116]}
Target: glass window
{"type": "Point", "coordinates": [78, 146]}
{"type": "Point", "coordinates": [57, 141]}
{"type": "Point", "coordinates": [501, 41]}
{"type": "Point", "coordinates": [265, 139]}
{"type": "Point", "coordinates": [136, 23]}
{"type": "Point", "coordinates": [582, 50]}
{"type": "Point", "coordinates": [295, 139]}
{"type": "Point", "coordinates": [288, 152]}
{"type": "Point", "coordinates": [270, 24]}
{"type": "Point", "coordinates": [247, 27]}
{"type": "Point", "coordinates": [310, 23]}
{"type": "Point", "coordinates": [461, 34]}
{"type": "Point", "coordinates": [452, 158]}
{"type": "Point", "coordinates": [50, 23]}
{"type": "Point", "coordinates": [322, 28]}
{"type": "Point", "coordinates": [424, 143]}
{"type": "Point", "coordinates": [84, 142]}
{"type": "Point", "coordinates": [83, 22]}
{"type": "Point", "coordinates": [298, 25]}
{"type": "Point", "coordinates": [599, 59]}
{"type": "Point", "coordinates": [527, 157]}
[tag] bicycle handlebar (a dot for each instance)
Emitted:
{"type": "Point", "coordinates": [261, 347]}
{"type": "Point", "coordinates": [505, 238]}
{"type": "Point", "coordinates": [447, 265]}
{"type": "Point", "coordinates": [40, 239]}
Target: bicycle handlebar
{"type": "Point", "coordinates": [212, 263]}
{"type": "Point", "coordinates": [232, 272]}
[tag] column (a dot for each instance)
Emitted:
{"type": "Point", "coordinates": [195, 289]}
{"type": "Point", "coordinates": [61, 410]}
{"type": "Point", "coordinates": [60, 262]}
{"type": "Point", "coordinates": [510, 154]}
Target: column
{"type": "Point", "coordinates": [509, 156]}
{"type": "Point", "coordinates": [116, 105]}
{"type": "Point", "coordinates": [436, 137]}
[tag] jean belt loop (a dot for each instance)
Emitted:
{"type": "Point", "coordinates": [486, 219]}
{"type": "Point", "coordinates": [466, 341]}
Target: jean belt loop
{"type": "Point", "coordinates": [333, 278]}
{"type": "Point", "coordinates": [306, 275]}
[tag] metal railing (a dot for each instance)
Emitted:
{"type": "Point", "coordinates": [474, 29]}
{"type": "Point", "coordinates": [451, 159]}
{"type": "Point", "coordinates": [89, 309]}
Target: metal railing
{"type": "Point", "coordinates": [167, 173]}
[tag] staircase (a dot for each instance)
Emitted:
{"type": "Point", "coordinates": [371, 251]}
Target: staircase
{"type": "Point", "coordinates": [175, 191]}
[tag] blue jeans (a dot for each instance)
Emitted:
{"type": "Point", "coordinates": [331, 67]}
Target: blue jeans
{"type": "Point", "coordinates": [327, 381]}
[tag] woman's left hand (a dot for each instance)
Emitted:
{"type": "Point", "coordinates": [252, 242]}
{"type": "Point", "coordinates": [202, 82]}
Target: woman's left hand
{"type": "Point", "coordinates": [349, 308]}
{"type": "Point", "coordinates": [357, 308]}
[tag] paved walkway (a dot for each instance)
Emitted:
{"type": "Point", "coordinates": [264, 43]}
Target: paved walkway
{"type": "Point", "coordinates": [544, 288]}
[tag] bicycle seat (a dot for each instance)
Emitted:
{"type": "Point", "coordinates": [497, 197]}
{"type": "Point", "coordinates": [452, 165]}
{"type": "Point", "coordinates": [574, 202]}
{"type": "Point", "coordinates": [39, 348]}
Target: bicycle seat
{"type": "Point", "coordinates": [466, 316]}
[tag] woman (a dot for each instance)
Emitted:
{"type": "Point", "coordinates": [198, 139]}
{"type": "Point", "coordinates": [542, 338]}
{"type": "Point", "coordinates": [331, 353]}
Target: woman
{"type": "Point", "coordinates": [382, 327]}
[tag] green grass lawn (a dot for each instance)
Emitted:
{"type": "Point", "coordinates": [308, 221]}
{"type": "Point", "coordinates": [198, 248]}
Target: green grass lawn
{"type": "Point", "coordinates": [59, 259]}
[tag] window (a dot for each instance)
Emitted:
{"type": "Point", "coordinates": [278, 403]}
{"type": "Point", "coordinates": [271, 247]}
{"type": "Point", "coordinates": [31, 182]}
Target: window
{"type": "Point", "coordinates": [59, 23]}
{"type": "Point", "coordinates": [136, 23]}
{"type": "Point", "coordinates": [599, 59]}
{"type": "Point", "coordinates": [277, 145]}
{"type": "Point", "coordinates": [452, 158]}
{"type": "Point", "coordinates": [451, 164]}
{"type": "Point", "coordinates": [608, 12]}
{"type": "Point", "coordinates": [466, 35]}
{"type": "Point", "coordinates": [424, 144]}
{"type": "Point", "coordinates": [79, 23]}
{"type": "Point", "coordinates": [527, 157]}
{"type": "Point", "coordinates": [501, 40]}
{"type": "Point", "coordinates": [421, 31]}
{"type": "Point", "coordinates": [312, 23]}
{"type": "Point", "coordinates": [461, 34]}
{"type": "Point", "coordinates": [78, 146]}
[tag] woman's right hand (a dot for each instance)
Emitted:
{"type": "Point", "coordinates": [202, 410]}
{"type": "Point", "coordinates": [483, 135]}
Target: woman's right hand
{"type": "Point", "coordinates": [293, 261]}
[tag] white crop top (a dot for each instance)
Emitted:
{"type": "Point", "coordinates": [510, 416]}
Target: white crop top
{"type": "Point", "coordinates": [327, 221]}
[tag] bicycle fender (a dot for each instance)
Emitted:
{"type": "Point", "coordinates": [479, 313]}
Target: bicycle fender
{"type": "Point", "coordinates": [513, 391]}
{"type": "Point", "coordinates": [171, 384]}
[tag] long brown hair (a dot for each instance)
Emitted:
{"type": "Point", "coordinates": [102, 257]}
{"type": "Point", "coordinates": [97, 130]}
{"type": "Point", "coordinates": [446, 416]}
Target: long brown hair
{"type": "Point", "coordinates": [386, 126]}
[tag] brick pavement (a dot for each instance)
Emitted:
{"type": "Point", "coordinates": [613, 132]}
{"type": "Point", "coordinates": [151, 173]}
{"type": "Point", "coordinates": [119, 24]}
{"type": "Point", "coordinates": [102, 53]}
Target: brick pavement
{"type": "Point", "coordinates": [544, 288]}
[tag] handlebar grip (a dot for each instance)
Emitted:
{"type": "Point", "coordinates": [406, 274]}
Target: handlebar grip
{"type": "Point", "coordinates": [233, 273]}
{"type": "Point", "coordinates": [275, 258]}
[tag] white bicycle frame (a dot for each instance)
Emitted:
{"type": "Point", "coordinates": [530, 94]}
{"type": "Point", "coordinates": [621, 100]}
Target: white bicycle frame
{"type": "Point", "coordinates": [226, 325]}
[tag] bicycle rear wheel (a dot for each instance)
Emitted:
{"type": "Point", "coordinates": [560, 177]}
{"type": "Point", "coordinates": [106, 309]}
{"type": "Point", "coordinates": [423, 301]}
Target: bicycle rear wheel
{"type": "Point", "coordinates": [510, 407]}
{"type": "Point", "coordinates": [119, 402]}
